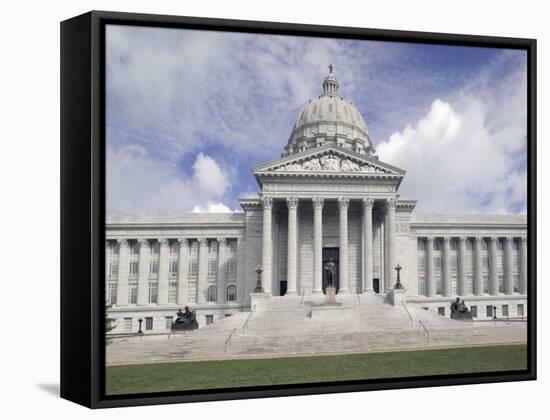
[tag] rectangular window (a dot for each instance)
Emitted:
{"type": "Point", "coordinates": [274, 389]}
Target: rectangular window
{"type": "Point", "coordinates": [473, 309]}
{"type": "Point", "coordinates": [194, 259]}
{"type": "Point", "coordinates": [505, 310]}
{"type": "Point", "coordinates": [174, 248]}
{"type": "Point", "coordinates": [515, 280]}
{"type": "Point", "coordinates": [113, 270]}
{"type": "Point", "coordinates": [441, 310]}
{"type": "Point", "coordinates": [148, 323]}
{"type": "Point", "coordinates": [133, 248]}
{"type": "Point", "coordinates": [153, 290]}
{"type": "Point", "coordinates": [134, 268]}
{"type": "Point", "coordinates": [127, 324]}
{"type": "Point", "coordinates": [168, 321]}
{"type": "Point", "coordinates": [132, 293]}
{"type": "Point", "coordinates": [173, 268]}
{"type": "Point", "coordinates": [520, 310]}
{"type": "Point", "coordinates": [489, 311]}
{"type": "Point", "coordinates": [485, 283]}
{"type": "Point", "coordinates": [212, 258]}
{"type": "Point", "coordinates": [153, 268]}
{"type": "Point", "coordinates": [209, 319]}
{"type": "Point", "coordinates": [111, 293]}
{"type": "Point", "coordinates": [231, 257]}
{"type": "Point", "coordinates": [172, 292]}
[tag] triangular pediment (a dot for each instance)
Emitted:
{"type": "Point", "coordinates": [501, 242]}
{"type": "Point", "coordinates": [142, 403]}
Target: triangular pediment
{"type": "Point", "coordinates": [328, 159]}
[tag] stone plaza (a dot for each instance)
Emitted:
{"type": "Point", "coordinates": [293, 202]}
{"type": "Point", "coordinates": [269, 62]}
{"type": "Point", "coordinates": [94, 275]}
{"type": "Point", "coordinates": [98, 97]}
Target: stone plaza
{"type": "Point", "coordinates": [327, 198]}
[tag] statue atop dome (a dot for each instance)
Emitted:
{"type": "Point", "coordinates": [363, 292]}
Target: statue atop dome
{"type": "Point", "coordinates": [330, 84]}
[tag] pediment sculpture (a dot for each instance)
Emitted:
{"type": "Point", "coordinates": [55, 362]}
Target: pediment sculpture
{"type": "Point", "coordinates": [330, 163]}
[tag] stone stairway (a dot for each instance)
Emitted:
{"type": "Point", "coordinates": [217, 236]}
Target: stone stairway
{"type": "Point", "coordinates": [284, 327]}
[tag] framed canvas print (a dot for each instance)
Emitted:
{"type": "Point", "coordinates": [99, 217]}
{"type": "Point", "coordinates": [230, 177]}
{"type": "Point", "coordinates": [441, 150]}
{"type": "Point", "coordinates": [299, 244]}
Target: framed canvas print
{"type": "Point", "coordinates": [255, 209]}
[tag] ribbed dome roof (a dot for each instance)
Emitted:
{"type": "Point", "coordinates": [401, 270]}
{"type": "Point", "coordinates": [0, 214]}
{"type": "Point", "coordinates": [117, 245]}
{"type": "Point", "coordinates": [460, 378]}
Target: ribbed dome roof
{"type": "Point", "coordinates": [330, 119]}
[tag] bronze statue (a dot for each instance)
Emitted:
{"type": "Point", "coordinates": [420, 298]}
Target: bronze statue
{"type": "Point", "coordinates": [186, 320]}
{"type": "Point", "coordinates": [459, 310]}
{"type": "Point", "coordinates": [330, 268]}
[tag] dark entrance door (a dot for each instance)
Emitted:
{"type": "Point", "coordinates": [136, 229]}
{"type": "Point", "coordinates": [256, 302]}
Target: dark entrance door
{"type": "Point", "coordinates": [333, 253]}
{"type": "Point", "coordinates": [282, 287]}
{"type": "Point", "coordinates": [376, 285]}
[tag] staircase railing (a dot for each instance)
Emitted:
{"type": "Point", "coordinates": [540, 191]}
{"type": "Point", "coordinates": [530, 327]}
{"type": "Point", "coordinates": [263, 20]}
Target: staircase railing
{"type": "Point", "coordinates": [228, 339]}
{"type": "Point", "coordinates": [357, 300]}
{"type": "Point", "coordinates": [408, 313]}
{"type": "Point", "coordinates": [424, 329]}
{"type": "Point", "coordinates": [248, 318]}
{"type": "Point", "coordinates": [302, 299]}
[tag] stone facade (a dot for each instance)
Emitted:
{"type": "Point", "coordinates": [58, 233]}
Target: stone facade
{"type": "Point", "coordinates": [321, 198]}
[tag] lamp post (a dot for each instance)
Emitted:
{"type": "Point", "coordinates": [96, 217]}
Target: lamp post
{"type": "Point", "coordinates": [259, 288]}
{"type": "Point", "coordinates": [398, 284]}
{"type": "Point", "coordinates": [139, 331]}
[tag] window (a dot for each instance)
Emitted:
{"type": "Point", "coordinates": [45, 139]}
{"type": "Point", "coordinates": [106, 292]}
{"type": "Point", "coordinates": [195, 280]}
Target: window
{"type": "Point", "coordinates": [231, 294]}
{"type": "Point", "coordinates": [515, 281]}
{"type": "Point", "coordinates": [172, 292]}
{"type": "Point", "coordinates": [231, 257]}
{"type": "Point", "coordinates": [209, 319]}
{"type": "Point", "coordinates": [168, 321]}
{"type": "Point", "coordinates": [113, 270]}
{"type": "Point", "coordinates": [133, 248]}
{"type": "Point", "coordinates": [485, 283]}
{"type": "Point", "coordinates": [174, 248]}
{"type": "Point", "coordinates": [441, 310]}
{"type": "Point", "coordinates": [194, 259]}
{"type": "Point", "coordinates": [489, 311]}
{"type": "Point", "coordinates": [148, 323]}
{"type": "Point", "coordinates": [211, 296]}
{"type": "Point", "coordinates": [128, 324]}
{"type": "Point", "coordinates": [473, 309]}
{"type": "Point", "coordinates": [173, 268]}
{"type": "Point", "coordinates": [153, 290]}
{"type": "Point", "coordinates": [520, 310]}
{"type": "Point", "coordinates": [111, 293]}
{"type": "Point", "coordinates": [504, 310]}
{"type": "Point", "coordinates": [132, 293]}
{"type": "Point", "coordinates": [501, 283]}
{"type": "Point", "coordinates": [153, 268]}
{"type": "Point", "coordinates": [212, 258]}
{"type": "Point", "coordinates": [134, 267]}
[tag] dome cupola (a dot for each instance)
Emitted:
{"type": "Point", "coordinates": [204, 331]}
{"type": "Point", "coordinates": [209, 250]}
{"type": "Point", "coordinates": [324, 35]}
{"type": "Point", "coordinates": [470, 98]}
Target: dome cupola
{"type": "Point", "coordinates": [330, 119]}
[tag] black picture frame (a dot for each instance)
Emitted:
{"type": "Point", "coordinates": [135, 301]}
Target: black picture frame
{"type": "Point", "coordinates": [83, 207]}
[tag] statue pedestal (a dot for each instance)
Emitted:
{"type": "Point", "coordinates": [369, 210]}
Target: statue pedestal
{"type": "Point", "coordinates": [330, 298]}
{"type": "Point", "coordinates": [397, 296]}
{"type": "Point", "coordinates": [259, 300]}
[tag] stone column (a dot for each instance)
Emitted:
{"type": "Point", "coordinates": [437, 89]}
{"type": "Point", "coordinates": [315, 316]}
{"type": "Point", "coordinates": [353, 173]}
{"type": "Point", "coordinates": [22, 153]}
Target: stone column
{"type": "Point", "coordinates": [267, 257]}
{"type": "Point", "coordinates": [478, 267]}
{"type": "Point", "coordinates": [143, 273]}
{"type": "Point", "coordinates": [493, 270]}
{"type": "Point", "coordinates": [222, 271]}
{"type": "Point", "coordinates": [318, 244]}
{"type": "Point", "coordinates": [387, 270]}
{"type": "Point", "coordinates": [523, 265]}
{"type": "Point", "coordinates": [122, 275]}
{"type": "Point", "coordinates": [292, 204]}
{"type": "Point", "coordinates": [391, 242]}
{"type": "Point", "coordinates": [343, 203]}
{"type": "Point", "coordinates": [202, 280]}
{"type": "Point", "coordinates": [368, 244]}
{"type": "Point", "coordinates": [183, 271]}
{"type": "Point", "coordinates": [382, 280]}
{"type": "Point", "coordinates": [508, 278]}
{"type": "Point", "coordinates": [447, 289]}
{"type": "Point", "coordinates": [462, 266]}
{"type": "Point", "coordinates": [430, 280]}
{"type": "Point", "coordinates": [163, 273]}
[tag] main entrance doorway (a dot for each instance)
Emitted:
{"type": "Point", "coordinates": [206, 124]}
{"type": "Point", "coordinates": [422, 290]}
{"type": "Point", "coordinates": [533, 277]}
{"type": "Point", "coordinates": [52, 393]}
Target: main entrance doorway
{"type": "Point", "coordinates": [333, 253]}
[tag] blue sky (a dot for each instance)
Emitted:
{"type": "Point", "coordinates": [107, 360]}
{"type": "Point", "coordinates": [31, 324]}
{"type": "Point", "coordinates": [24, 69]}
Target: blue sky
{"type": "Point", "coordinates": [190, 112]}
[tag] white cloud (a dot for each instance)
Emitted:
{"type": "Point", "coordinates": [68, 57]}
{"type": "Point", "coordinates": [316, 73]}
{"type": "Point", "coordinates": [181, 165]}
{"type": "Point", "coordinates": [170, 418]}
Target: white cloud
{"type": "Point", "coordinates": [139, 182]}
{"type": "Point", "coordinates": [458, 160]}
{"type": "Point", "coordinates": [212, 208]}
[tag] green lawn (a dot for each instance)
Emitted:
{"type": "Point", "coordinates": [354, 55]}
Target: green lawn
{"type": "Point", "coordinates": [179, 376]}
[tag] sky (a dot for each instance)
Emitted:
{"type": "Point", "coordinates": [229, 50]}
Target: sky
{"type": "Point", "coordinates": [190, 112]}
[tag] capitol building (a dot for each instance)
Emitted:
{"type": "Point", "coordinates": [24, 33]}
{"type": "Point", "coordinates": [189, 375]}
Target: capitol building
{"type": "Point", "coordinates": [328, 197]}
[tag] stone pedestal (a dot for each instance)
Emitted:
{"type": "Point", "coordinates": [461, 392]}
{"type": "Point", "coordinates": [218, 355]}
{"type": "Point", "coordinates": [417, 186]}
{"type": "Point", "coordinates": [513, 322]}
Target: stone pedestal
{"type": "Point", "coordinates": [397, 296]}
{"type": "Point", "coordinates": [330, 298]}
{"type": "Point", "coordinates": [260, 300]}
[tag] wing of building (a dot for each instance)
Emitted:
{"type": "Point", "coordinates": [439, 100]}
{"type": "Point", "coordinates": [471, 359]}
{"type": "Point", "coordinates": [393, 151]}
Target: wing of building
{"type": "Point", "coordinates": [328, 197]}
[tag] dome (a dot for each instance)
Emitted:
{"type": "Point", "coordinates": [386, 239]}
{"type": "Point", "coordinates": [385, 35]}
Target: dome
{"type": "Point", "coordinates": [329, 119]}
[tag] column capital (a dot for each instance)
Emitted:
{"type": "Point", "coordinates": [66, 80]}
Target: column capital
{"type": "Point", "coordinates": [292, 202]}
{"type": "Point", "coordinates": [163, 242]}
{"type": "Point", "coordinates": [523, 239]}
{"type": "Point", "coordinates": [343, 203]}
{"type": "Point", "coordinates": [447, 239]}
{"type": "Point", "coordinates": [368, 203]}
{"type": "Point", "coordinates": [222, 242]}
{"type": "Point", "coordinates": [122, 242]}
{"type": "Point", "coordinates": [462, 238]}
{"type": "Point", "coordinates": [267, 201]}
{"type": "Point", "coordinates": [318, 202]}
{"type": "Point", "coordinates": [203, 241]}
{"type": "Point", "coordinates": [509, 239]}
{"type": "Point", "coordinates": [143, 242]}
{"type": "Point", "coordinates": [430, 239]}
{"type": "Point", "coordinates": [391, 202]}
{"type": "Point", "coordinates": [183, 242]}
